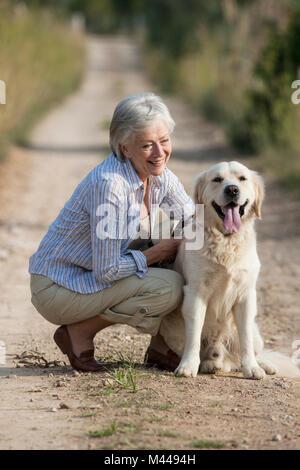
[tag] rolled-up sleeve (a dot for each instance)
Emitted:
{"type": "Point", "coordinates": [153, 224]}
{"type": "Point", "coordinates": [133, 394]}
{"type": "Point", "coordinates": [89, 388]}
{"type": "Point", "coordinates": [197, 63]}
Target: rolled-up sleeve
{"type": "Point", "coordinates": [108, 222]}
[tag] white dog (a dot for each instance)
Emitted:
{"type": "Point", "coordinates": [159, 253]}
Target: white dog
{"type": "Point", "coordinates": [219, 307]}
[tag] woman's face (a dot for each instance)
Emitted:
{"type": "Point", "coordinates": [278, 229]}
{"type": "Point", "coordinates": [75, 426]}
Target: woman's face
{"type": "Point", "coordinates": [149, 150]}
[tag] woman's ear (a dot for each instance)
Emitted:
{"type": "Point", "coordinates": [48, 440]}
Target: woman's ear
{"type": "Point", "coordinates": [199, 186]}
{"type": "Point", "coordinates": [124, 150]}
{"type": "Point", "coordinates": [259, 192]}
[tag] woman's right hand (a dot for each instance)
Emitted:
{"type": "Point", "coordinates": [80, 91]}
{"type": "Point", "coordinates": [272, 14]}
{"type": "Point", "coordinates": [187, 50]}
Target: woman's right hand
{"type": "Point", "coordinates": [165, 250]}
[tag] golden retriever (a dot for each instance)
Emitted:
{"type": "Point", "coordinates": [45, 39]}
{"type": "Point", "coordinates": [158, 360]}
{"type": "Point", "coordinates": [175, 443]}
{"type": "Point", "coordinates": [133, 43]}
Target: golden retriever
{"type": "Point", "coordinates": [216, 322]}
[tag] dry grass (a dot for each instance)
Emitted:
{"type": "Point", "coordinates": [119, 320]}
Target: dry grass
{"type": "Point", "coordinates": [40, 62]}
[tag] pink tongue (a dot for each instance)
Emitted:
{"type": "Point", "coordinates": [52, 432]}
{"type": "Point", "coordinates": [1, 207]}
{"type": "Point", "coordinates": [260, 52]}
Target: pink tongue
{"type": "Point", "coordinates": [232, 221]}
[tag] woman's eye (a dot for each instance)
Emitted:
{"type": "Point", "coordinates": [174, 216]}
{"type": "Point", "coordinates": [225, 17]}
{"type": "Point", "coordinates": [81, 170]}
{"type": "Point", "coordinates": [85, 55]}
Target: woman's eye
{"type": "Point", "coordinates": [147, 146]}
{"type": "Point", "coordinates": [218, 179]}
{"type": "Point", "coordinates": [242, 178]}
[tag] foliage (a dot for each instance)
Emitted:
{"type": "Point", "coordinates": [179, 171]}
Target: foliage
{"type": "Point", "coordinates": [234, 60]}
{"type": "Point", "coordinates": [269, 114]}
{"type": "Point", "coordinates": [40, 62]}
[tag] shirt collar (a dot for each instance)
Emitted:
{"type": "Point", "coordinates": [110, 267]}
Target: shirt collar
{"type": "Point", "coordinates": [131, 174]}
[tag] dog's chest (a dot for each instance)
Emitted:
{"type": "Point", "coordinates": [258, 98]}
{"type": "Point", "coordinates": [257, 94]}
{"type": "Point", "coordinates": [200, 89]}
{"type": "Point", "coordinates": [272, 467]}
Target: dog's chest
{"type": "Point", "coordinates": [227, 289]}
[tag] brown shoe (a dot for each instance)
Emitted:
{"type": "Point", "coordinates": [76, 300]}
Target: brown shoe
{"type": "Point", "coordinates": [167, 361]}
{"type": "Point", "coordinates": [86, 361]}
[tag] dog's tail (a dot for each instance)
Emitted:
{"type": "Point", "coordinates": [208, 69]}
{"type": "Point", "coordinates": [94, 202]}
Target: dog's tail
{"type": "Point", "coordinates": [285, 366]}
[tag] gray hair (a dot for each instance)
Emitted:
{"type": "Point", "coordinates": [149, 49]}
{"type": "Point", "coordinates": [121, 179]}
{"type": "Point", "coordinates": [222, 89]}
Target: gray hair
{"type": "Point", "coordinates": [135, 113]}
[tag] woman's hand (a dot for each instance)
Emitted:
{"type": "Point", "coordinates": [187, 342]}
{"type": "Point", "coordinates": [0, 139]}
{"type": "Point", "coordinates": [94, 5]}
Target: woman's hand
{"type": "Point", "coordinates": [165, 250]}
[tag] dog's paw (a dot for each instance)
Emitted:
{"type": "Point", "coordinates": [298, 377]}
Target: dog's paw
{"type": "Point", "coordinates": [208, 367]}
{"type": "Point", "coordinates": [268, 367]}
{"type": "Point", "coordinates": [187, 369]}
{"type": "Point", "coordinates": [253, 372]}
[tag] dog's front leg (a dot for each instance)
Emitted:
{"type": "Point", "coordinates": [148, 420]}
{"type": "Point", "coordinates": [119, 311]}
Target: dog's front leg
{"type": "Point", "coordinates": [193, 311]}
{"type": "Point", "coordinates": [245, 312]}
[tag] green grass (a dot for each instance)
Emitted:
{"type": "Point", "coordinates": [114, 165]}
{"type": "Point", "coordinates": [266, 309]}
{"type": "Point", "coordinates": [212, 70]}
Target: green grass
{"type": "Point", "coordinates": [128, 427]}
{"type": "Point", "coordinates": [208, 444]}
{"type": "Point", "coordinates": [88, 414]}
{"type": "Point", "coordinates": [95, 394]}
{"type": "Point", "coordinates": [109, 431]}
{"type": "Point", "coordinates": [157, 419]}
{"type": "Point", "coordinates": [126, 375]}
{"type": "Point", "coordinates": [125, 404]}
{"type": "Point", "coordinates": [163, 406]}
{"type": "Point", "coordinates": [214, 404]}
{"type": "Point", "coordinates": [167, 434]}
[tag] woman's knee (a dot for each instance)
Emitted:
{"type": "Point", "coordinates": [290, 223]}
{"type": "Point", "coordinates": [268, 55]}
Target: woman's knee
{"type": "Point", "coordinates": [176, 285]}
{"type": "Point", "coordinates": [171, 283]}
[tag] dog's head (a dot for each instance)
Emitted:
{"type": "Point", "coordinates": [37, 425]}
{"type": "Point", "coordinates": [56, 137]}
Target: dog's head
{"type": "Point", "coordinates": [231, 193]}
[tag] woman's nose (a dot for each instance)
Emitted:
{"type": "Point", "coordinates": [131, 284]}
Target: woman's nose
{"type": "Point", "coordinates": [158, 149]}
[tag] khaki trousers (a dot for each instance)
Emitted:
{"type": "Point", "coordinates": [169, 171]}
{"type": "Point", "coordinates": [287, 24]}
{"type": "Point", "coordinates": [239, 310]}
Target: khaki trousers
{"type": "Point", "coordinates": [140, 303]}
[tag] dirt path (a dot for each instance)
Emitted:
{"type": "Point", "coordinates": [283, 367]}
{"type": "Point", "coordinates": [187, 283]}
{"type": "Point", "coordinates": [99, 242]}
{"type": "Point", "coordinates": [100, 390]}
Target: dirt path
{"type": "Point", "coordinates": [44, 404]}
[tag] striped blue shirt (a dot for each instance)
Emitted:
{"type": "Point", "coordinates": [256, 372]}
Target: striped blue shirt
{"type": "Point", "coordinates": [86, 247]}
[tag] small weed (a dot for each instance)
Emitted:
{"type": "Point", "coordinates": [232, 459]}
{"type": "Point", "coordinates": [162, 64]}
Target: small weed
{"type": "Point", "coordinates": [107, 391]}
{"type": "Point", "coordinates": [128, 427]}
{"type": "Point", "coordinates": [126, 374]}
{"type": "Point", "coordinates": [95, 394]}
{"type": "Point", "coordinates": [167, 434]}
{"type": "Point", "coordinates": [163, 406]}
{"type": "Point", "coordinates": [125, 404]}
{"type": "Point", "coordinates": [126, 377]}
{"type": "Point", "coordinates": [88, 414]}
{"type": "Point", "coordinates": [215, 403]}
{"type": "Point", "coordinates": [106, 358]}
{"type": "Point", "coordinates": [157, 406]}
{"type": "Point", "coordinates": [112, 429]}
{"type": "Point", "coordinates": [208, 445]}
{"type": "Point", "coordinates": [130, 445]}
{"type": "Point", "coordinates": [157, 419]}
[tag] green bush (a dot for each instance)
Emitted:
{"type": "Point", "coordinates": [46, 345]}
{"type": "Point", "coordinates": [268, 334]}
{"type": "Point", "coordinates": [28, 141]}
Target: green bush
{"type": "Point", "coordinates": [240, 76]}
{"type": "Point", "coordinates": [269, 114]}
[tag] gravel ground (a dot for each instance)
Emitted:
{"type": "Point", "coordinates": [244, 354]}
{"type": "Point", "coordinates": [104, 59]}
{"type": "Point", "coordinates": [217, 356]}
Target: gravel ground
{"type": "Point", "coordinates": [45, 404]}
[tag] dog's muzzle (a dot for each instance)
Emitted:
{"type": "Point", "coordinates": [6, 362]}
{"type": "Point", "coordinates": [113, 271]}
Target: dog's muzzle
{"type": "Point", "coordinates": [232, 191]}
{"type": "Point", "coordinates": [231, 215]}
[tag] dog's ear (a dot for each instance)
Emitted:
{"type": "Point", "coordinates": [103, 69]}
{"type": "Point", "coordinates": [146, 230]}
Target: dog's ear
{"type": "Point", "coordinates": [199, 185]}
{"type": "Point", "coordinates": [259, 193]}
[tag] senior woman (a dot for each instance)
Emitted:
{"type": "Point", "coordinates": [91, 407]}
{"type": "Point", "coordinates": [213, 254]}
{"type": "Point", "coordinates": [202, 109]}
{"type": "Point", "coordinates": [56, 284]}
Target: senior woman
{"type": "Point", "coordinates": [93, 267]}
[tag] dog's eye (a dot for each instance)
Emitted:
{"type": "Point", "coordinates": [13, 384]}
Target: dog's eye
{"type": "Point", "coordinates": [242, 178]}
{"type": "Point", "coordinates": [218, 179]}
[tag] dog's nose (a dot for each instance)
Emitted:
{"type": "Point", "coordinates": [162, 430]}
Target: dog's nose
{"type": "Point", "coordinates": [232, 190]}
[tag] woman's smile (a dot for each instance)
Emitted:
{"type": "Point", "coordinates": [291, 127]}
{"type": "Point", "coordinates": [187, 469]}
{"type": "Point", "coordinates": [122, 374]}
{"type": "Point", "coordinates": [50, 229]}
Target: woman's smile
{"type": "Point", "coordinates": [149, 150]}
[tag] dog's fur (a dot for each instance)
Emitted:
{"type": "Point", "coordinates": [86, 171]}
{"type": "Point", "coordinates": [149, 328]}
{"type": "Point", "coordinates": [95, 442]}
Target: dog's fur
{"type": "Point", "coordinates": [217, 323]}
